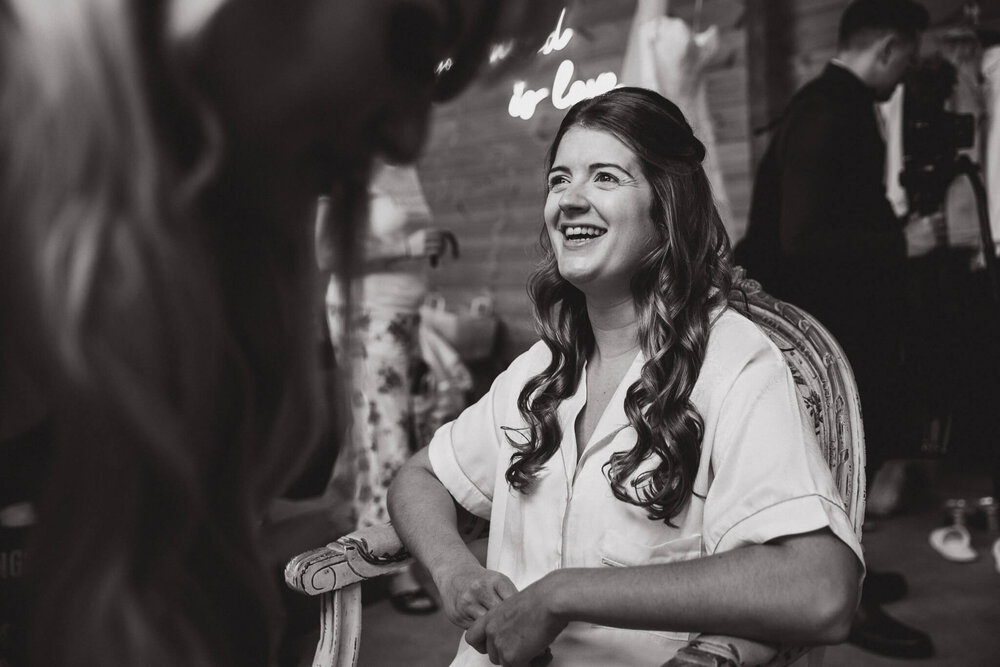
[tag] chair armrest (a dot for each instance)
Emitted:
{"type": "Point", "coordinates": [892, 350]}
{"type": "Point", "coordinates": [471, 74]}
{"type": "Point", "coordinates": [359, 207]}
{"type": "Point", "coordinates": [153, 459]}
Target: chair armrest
{"type": "Point", "coordinates": [698, 653]}
{"type": "Point", "coordinates": [355, 557]}
{"type": "Point", "coordinates": [364, 554]}
{"type": "Point", "coordinates": [721, 651]}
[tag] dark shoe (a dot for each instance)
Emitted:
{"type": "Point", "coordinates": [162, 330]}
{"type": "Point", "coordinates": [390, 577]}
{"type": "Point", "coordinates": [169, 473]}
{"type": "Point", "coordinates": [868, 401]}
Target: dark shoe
{"type": "Point", "coordinates": [416, 602]}
{"type": "Point", "coordinates": [876, 631]}
{"type": "Point", "coordinates": [883, 587]}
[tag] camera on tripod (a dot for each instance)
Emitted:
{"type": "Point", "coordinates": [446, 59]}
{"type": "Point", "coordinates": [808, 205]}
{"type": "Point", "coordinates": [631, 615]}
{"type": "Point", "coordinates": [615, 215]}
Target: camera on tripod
{"type": "Point", "coordinates": [932, 139]}
{"type": "Point", "coordinates": [932, 135]}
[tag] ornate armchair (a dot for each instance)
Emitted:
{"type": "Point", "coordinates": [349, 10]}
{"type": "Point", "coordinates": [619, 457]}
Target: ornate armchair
{"type": "Point", "coordinates": [828, 393]}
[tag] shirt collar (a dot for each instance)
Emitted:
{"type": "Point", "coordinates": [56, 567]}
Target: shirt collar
{"type": "Point", "coordinates": [839, 72]}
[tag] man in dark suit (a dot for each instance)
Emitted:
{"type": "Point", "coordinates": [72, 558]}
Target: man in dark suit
{"type": "Point", "coordinates": [823, 236]}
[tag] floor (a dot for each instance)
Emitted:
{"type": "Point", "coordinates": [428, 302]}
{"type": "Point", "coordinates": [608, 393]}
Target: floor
{"type": "Point", "coordinates": [958, 604]}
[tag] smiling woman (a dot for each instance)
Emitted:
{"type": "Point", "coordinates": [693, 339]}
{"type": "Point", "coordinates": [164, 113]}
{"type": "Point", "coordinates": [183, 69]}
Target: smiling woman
{"type": "Point", "coordinates": [645, 467]}
{"type": "Point", "coordinates": [597, 212]}
{"type": "Point", "coordinates": [665, 251]}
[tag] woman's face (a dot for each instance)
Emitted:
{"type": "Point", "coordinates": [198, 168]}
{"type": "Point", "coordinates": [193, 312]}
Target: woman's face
{"type": "Point", "coordinates": [597, 212]}
{"type": "Point", "coordinates": [309, 91]}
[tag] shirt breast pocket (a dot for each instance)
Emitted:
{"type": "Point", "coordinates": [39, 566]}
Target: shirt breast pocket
{"type": "Point", "coordinates": [617, 550]}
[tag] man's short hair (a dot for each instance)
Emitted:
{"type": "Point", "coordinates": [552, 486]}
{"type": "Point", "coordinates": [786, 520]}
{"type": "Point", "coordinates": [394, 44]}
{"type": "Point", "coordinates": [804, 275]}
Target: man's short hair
{"type": "Point", "coordinates": [864, 21]}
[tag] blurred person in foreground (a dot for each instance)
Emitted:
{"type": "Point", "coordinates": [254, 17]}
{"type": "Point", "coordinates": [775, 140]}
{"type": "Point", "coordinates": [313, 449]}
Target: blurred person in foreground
{"type": "Point", "coordinates": [646, 468]}
{"type": "Point", "coordinates": [823, 236]}
{"type": "Point", "coordinates": [158, 164]}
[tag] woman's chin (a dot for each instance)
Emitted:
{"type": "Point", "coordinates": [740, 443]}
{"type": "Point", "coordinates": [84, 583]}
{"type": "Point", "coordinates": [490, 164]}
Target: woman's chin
{"type": "Point", "coordinates": [590, 284]}
{"type": "Point", "coordinates": [576, 276]}
{"type": "Point", "coordinates": [598, 286]}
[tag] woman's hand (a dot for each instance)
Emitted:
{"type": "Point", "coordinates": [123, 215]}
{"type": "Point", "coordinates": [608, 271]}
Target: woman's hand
{"type": "Point", "coordinates": [471, 591]}
{"type": "Point", "coordinates": [430, 242]}
{"type": "Point", "coordinates": [518, 631]}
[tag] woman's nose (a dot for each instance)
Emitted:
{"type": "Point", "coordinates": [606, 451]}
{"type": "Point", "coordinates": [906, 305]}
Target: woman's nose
{"type": "Point", "coordinates": [573, 200]}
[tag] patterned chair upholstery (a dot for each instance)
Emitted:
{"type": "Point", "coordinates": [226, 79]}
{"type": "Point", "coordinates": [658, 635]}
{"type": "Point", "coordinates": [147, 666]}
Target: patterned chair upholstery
{"type": "Point", "coordinates": [827, 391]}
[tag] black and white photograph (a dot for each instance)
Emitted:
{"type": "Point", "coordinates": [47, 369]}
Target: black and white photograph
{"type": "Point", "coordinates": [533, 333]}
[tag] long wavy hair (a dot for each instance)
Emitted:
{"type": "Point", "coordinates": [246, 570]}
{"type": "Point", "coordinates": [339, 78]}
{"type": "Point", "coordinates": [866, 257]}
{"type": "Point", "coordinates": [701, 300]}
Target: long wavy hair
{"type": "Point", "coordinates": [677, 286]}
{"type": "Point", "coordinates": [169, 340]}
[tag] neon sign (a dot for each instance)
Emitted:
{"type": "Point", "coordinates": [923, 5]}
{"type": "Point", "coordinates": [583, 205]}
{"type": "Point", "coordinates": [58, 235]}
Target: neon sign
{"type": "Point", "coordinates": [565, 92]}
{"type": "Point", "coordinates": [500, 51]}
{"type": "Point", "coordinates": [558, 38]}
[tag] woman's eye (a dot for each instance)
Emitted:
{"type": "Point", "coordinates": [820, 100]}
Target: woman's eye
{"type": "Point", "coordinates": [605, 177]}
{"type": "Point", "coordinates": [556, 181]}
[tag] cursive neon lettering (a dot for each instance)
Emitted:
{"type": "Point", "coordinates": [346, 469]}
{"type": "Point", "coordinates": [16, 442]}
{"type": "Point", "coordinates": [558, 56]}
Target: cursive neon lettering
{"type": "Point", "coordinates": [523, 102]}
{"type": "Point", "coordinates": [566, 92]}
{"type": "Point", "coordinates": [500, 51]}
{"type": "Point", "coordinates": [444, 66]}
{"type": "Point", "coordinates": [558, 38]}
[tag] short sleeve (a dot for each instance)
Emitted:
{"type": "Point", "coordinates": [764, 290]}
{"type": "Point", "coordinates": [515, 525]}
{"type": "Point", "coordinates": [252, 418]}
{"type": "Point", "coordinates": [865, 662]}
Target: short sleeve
{"type": "Point", "coordinates": [465, 453]}
{"type": "Point", "coordinates": [770, 478]}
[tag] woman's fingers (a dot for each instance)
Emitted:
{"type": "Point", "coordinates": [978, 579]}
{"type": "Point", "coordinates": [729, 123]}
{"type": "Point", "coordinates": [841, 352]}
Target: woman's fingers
{"type": "Point", "coordinates": [434, 242]}
{"type": "Point", "coordinates": [473, 596]}
{"type": "Point", "coordinates": [477, 638]}
{"type": "Point", "coordinates": [491, 648]}
{"type": "Point", "coordinates": [473, 612]}
{"type": "Point", "coordinates": [450, 239]}
{"type": "Point", "coordinates": [475, 635]}
{"type": "Point", "coordinates": [504, 587]}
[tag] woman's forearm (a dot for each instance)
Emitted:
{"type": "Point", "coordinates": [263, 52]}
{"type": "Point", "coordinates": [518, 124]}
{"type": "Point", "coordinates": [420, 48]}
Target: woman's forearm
{"type": "Point", "coordinates": [381, 254]}
{"type": "Point", "coordinates": [802, 590]}
{"type": "Point", "coordinates": [423, 514]}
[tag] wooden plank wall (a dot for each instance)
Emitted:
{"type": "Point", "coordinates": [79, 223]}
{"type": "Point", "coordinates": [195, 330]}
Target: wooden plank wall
{"type": "Point", "coordinates": [482, 170]}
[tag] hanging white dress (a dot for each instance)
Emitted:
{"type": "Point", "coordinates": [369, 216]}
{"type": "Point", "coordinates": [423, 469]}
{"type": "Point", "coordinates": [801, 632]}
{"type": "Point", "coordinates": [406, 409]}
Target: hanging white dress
{"type": "Point", "coordinates": [665, 55]}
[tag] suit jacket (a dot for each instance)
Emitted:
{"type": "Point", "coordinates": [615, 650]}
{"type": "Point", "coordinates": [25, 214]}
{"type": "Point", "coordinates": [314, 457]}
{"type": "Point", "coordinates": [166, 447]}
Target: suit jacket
{"type": "Point", "coordinates": [822, 234]}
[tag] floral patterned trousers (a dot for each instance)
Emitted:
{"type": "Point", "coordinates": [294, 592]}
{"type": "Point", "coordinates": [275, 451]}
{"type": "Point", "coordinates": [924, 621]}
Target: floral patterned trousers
{"type": "Point", "coordinates": [380, 349]}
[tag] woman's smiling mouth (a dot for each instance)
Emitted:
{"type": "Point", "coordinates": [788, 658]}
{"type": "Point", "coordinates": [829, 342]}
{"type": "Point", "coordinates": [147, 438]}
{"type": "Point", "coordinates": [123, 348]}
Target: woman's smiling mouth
{"type": "Point", "coordinates": [581, 233]}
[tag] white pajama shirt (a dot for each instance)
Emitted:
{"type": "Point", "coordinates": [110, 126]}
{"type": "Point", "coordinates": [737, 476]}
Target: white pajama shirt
{"type": "Point", "coordinates": [761, 477]}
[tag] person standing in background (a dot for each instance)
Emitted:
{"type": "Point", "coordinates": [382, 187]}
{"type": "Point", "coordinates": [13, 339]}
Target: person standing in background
{"type": "Point", "coordinates": [823, 236]}
{"type": "Point", "coordinates": [374, 335]}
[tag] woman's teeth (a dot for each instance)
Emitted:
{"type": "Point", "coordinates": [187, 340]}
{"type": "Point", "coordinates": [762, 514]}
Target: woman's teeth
{"type": "Point", "coordinates": [576, 233]}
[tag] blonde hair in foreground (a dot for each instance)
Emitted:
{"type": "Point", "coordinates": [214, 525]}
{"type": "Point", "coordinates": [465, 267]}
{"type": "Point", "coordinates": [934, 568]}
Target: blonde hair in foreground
{"type": "Point", "coordinates": [180, 393]}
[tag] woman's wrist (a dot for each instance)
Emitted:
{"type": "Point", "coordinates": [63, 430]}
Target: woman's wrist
{"type": "Point", "coordinates": [557, 594]}
{"type": "Point", "coordinates": [447, 567]}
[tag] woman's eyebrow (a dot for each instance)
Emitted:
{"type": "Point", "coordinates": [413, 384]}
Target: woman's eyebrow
{"type": "Point", "coordinates": [605, 165]}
